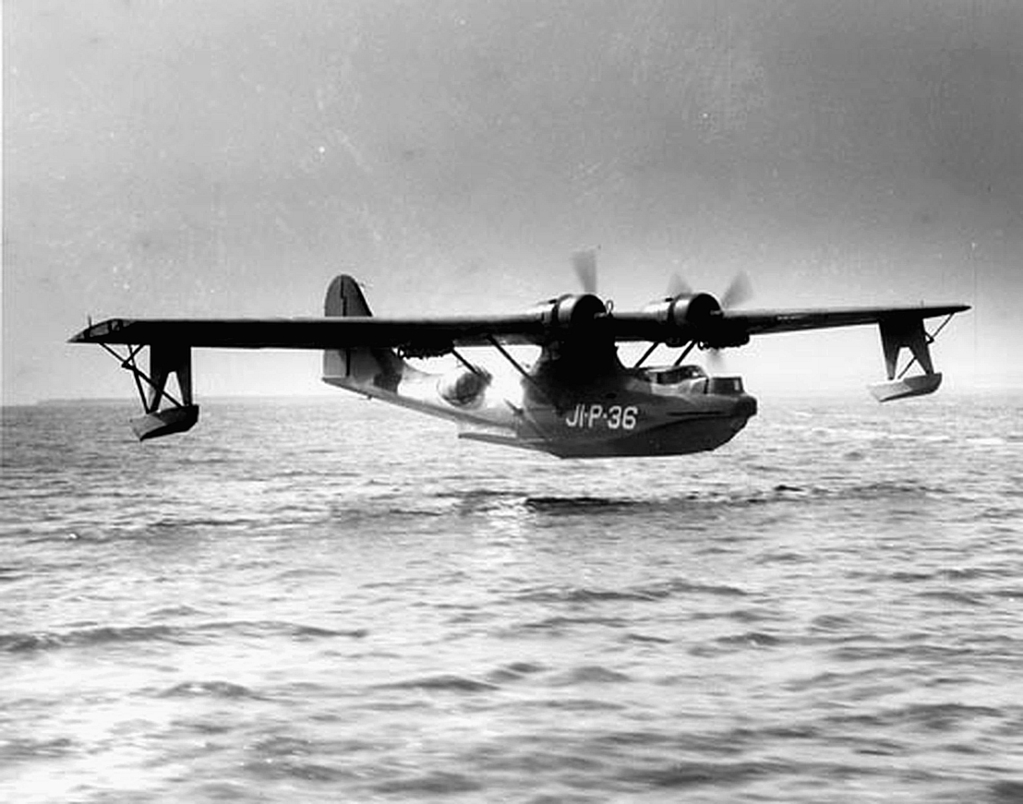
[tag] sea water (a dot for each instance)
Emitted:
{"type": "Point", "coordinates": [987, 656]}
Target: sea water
{"type": "Point", "coordinates": [333, 600]}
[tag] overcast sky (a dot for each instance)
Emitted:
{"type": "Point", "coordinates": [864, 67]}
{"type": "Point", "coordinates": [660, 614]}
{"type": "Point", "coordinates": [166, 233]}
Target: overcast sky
{"type": "Point", "coordinates": [192, 158]}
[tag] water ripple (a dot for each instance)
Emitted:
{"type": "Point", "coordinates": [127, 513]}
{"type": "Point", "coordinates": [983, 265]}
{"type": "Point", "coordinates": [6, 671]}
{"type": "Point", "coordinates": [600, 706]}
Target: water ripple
{"type": "Point", "coordinates": [306, 605]}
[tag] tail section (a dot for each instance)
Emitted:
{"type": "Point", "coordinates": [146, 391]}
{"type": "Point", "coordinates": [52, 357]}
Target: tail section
{"type": "Point", "coordinates": [344, 298]}
{"type": "Point", "coordinates": [352, 367]}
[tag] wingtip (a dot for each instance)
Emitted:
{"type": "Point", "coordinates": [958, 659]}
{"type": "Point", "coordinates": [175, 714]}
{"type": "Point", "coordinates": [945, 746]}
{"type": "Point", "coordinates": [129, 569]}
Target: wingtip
{"type": "Point", "coordinates": [94, 332]}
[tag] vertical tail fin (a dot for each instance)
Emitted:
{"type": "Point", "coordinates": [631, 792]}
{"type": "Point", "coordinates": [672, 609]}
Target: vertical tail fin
{"type": "Point", "coordinates": [359, 364]}
{"type": "Point", "coordinates": [344, 298]}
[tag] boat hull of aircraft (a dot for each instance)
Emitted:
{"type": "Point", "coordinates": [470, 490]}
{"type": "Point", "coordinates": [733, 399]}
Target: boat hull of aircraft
{"type": "Point", "coordinates": [627, 414]}
{"type": "Point", "coordinates": [681, 436]}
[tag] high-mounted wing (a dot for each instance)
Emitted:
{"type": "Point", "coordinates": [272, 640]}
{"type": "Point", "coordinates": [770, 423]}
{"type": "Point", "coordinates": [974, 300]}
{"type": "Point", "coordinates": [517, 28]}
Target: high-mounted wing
{"type": "Point", "coordinates": [699, 319]}
{"type": "Point", "coordinates": [426, 336]}
{"type": "Point", "coordinates": [767, 321]}
{"type": "Point", "coordinates": [900, 327]}
{"type": "Point", "coordinates": [423, 336]}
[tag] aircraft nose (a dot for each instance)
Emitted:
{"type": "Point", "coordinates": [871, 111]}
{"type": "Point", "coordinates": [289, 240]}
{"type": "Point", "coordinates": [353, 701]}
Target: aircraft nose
{"type": "Point", "coordinates": [746, 405]}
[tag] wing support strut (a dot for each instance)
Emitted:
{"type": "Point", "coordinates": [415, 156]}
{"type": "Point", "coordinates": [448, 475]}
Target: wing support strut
{"type": "Point", "coordinates": [678, 361]}
{"type": "Point", "coordinates": [160, 419]}
{"type": "Point", "coordinates": [646, 354]}
{"type": "Point", "coordinates": [474, 369]}
{"type": "Point", "coordinates": [529, 379]}
{"type": "Point", "coordinates": [907, 331]}
{"type": "Point", "coordinates": [518, 367]}
{"type": "Point", "coordinates": [684, 354]}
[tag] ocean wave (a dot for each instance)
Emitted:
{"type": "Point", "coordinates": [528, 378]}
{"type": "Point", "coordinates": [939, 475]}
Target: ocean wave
{"type": "Point", "coordinates": [200, 633]}
{"type": "Point", "coordinates": [576, 505]}
{"type": "Point", "coordinates": [645, 593]}
{"type": "Point", "coordinates": [941, 716]}
{"type": "Point", "coordinates": [1006, 791]}
{"type": "Point", "coordinates": [558, 625]}
{"type": "Point", "coordinates": [173, 523]}
{"type": "Point", "coordinates": [585, 595]}
{"type": "Point", "coordinates": [85, 637]}
{"type": "Point", "coordinates": [588, 674]}
{"type": "Point", "coordinates": [515, 671]}
{"type": "Point", "coordinates": [297, 631]}
{"type": "Point", "coordinates": [733, 643]}
{"type": "Point", "coordinates": [953, 596]}
{"type": "Point", "coordinates": [432, 783]}
{"type": "Point", "coordinates": [14, 749]}
{"type": "Point", "coordinates": [212, 689]}
{"type": "Point", "coordinates": [443, 682]}
{"type": "Point", "coordinates": [393, 515]}
{"type": "Point", "coordinates": [651, 639]}
{"type": "Point", "coordinates": [293, 759]}
{"type": "Point", "coordinates": [174, 612]}
{"type": "Point", "coordinates": [684, 774]}
{"type": "Point", "coordinates": [11, 574]}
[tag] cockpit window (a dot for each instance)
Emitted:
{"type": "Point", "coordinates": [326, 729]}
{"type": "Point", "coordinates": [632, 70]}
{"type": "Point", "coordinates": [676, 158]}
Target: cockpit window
{"type": "Point", "coordinates": [728, 386]}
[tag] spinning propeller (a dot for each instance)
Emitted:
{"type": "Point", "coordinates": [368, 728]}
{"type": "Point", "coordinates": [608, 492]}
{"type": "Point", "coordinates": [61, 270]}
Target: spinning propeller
{"type": "Point", "coordinates": [738, 292]}
{"type": "Point", "coordinates": [585, 265]}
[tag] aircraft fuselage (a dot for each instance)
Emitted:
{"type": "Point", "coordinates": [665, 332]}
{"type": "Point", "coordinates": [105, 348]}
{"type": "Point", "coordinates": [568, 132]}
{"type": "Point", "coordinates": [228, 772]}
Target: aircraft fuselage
{"type": "Point", "coordinates": [656, 411]}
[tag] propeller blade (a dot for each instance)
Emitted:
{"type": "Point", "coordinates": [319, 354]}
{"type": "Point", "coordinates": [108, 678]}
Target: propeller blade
{"type": "Point", "coordinates": [585, 265]}
{"type": "Point", "coordinates": [677, 286]}
{"type": "Point", "coordinates": [738, 292]}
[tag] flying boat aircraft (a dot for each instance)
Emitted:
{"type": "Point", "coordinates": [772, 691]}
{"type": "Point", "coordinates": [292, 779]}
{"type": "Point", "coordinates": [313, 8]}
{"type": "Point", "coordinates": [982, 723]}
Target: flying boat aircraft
{"type": "Point", "coordinates": [576, 400]}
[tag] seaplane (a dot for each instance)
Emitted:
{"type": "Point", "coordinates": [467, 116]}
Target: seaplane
{"type": "Point", "coordinates": [576, 399]}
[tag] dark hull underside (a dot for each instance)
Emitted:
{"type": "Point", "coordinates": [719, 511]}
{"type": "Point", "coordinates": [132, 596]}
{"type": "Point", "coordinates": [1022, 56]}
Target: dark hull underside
{"type": "Point", "coordinates": [676, 438]}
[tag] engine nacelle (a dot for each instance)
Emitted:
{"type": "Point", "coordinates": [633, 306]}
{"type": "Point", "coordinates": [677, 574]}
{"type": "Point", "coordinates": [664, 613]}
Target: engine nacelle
{"type": "Point", "coordinates": [688, 316]}
{"type": "Point", "coordinates": [463, 387]}
{"type": "Point", "coordinates": [569, 312]}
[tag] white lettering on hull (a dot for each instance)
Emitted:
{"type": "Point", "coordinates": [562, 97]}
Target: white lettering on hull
{"type": "Point", "coordinates": [587, 416]}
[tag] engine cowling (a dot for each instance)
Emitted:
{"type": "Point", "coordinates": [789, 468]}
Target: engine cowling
{"type": "Point", "coordinates": [687, 316]}
{"type": "Point", "coordinates": [572, 312]}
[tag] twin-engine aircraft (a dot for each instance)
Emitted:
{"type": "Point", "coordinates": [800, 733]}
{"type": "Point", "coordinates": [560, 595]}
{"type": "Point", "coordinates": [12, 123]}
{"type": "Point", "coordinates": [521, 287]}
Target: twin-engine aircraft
{"type": "Point", "coordinates": [577, 400]}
